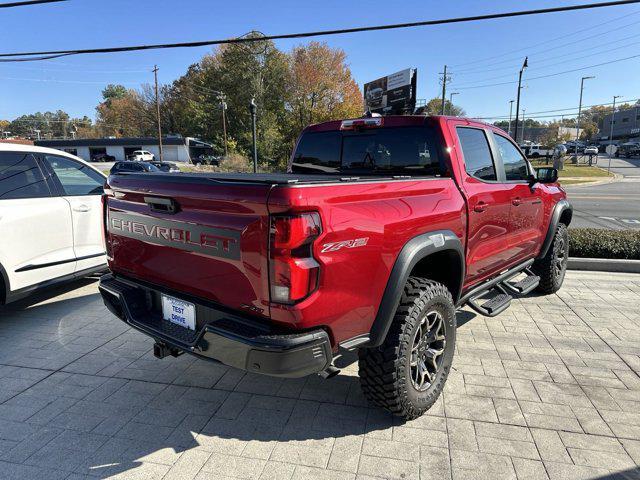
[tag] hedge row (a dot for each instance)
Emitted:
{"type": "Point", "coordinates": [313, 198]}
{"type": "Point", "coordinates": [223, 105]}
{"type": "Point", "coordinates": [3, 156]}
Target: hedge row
{"type": "Point", "coordinates": [597, 243]}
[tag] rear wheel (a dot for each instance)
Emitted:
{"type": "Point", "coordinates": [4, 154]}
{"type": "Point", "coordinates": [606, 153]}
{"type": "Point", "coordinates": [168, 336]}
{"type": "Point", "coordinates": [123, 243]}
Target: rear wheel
{"type": "Point", "coordinates": [407, 373]}
{"type": "Point", "coordinates": [552, 267]}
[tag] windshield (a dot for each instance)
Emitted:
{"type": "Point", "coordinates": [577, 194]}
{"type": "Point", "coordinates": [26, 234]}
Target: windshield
{"type": "Point", "coordinates": [391, 151]}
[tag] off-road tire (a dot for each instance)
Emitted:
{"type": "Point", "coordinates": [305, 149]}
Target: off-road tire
{"type": "Point", "coordinates": [551, 277]}
{"type": "Point", "coordinates": [385, 371]}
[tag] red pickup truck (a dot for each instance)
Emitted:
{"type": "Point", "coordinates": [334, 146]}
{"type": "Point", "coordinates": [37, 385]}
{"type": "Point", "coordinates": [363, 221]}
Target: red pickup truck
{"type": "Point", "coordinates": [382, 228]}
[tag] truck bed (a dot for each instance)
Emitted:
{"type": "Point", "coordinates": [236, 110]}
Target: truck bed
{"type": "Point", "coordinates": [253, 178]}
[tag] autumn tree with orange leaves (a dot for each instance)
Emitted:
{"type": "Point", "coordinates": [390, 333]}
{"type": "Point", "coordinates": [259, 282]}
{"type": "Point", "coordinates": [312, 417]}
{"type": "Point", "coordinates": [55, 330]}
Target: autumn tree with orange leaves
{"type": "Point", "coordinates": [321, 87]}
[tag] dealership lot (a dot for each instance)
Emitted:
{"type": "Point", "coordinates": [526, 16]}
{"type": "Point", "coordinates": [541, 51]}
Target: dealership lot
{"type": "Point", "coordinates": [550, 388]}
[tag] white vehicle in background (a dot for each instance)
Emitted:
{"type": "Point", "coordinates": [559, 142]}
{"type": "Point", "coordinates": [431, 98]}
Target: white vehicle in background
{"type": "Point", "coordinates": [50, 218]}
{"type": "Point", "coordinates": [142, 156]}
{"type": "Point", "coordinates": [591, 150]}
{"type": "Point", "coordinates": [535, 150]}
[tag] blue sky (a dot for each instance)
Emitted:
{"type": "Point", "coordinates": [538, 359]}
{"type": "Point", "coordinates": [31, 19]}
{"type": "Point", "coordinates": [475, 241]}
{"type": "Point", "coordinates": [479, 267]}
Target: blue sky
{"type": "Point", "coordinates": [479, 53]}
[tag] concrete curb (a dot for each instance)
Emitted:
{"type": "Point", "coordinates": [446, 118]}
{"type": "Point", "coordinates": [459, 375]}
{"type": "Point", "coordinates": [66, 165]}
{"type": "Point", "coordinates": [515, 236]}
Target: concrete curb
{"type": "Point", "coordinates": [604, 265]}
{"type": "Point", "coordinates": [615, 178]}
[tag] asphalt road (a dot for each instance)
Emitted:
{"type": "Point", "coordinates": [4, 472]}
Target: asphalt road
{"type": "Point", "coordinates": [614, 206]}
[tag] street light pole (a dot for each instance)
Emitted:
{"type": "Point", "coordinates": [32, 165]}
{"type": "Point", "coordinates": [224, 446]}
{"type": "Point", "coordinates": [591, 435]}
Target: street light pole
{"type": "Point", "coordinates": [578, 119]}
{"type": "Point", "coordinates": [451, 100]}
{"type": "Point", "coordinates": [155, 74]}
{"type": "Point", "coordinates": [613, 116]}
{"type": "Point", "coordinates": [223, 105]}
{"type": "Point", "coordinates": [524, 65]}
{"type": "Point", "coordinates": [510, 113]}
{"type": "Point", "coordinates": [253, 108]}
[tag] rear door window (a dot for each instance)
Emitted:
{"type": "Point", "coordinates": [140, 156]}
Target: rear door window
{"type": "Point", "coordinates": [75, 178]}
{"type": "Point", "coordinates": [384, 151]}
{"type": "Point", "coordinates": [477, 153]}
{"type": "Point", "coordinates": [516, 166]}
{"type": "Point", "coordinates": [21, 177]}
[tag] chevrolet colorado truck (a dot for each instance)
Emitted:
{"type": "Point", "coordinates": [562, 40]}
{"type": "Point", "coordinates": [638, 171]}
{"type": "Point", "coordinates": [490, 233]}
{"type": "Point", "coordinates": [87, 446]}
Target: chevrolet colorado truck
{"type": "Point", "coordinates": [382, 228]}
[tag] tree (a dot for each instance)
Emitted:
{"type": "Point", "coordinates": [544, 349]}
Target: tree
{"type": "Point", "coordinates": [321, 87]}
{"type": "Point", "coordinates": [112, 92]}
{"type": "Point", "coordinates": [434, 106]}
{"type": "Point", "coordinates": [124, 115]}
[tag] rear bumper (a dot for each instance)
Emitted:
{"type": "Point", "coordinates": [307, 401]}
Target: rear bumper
{"type": "Point", "coordinates": [225, 337]}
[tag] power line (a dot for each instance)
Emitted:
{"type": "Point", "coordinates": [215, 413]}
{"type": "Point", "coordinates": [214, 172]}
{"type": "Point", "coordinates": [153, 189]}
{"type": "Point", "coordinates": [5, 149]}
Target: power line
{"type": "Point", "coordinates": [631, 100]}
{"type": "Point", "coordinates": [545, 67]}
{"type": "Point", "coordinates": [54, 53]}
{"type": "Point", "coordinates": [551, 40]}
{"type": "Point", "coordinates": [471, 71]}
{"type": "Point", "coordinates": [551, 74]}
{"type": "Point", "coordinates": [27, 3]}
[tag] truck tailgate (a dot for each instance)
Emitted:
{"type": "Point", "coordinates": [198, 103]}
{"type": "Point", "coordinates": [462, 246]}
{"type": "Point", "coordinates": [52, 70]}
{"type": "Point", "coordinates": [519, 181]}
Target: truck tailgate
{"type": "Point", "coordinates": [193, 235]}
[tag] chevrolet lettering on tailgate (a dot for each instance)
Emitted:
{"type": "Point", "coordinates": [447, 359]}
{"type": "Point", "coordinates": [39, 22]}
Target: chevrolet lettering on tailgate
{"type": "Point", "coordinates": [216, 242]}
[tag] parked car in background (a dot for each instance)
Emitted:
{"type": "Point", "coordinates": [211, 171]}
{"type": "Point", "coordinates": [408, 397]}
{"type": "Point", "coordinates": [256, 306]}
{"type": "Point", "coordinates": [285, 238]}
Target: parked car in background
{"type": "Point", "coordinates": [628, 150]}
{"type": "Point", "coordinates": [207, 160]}
{"type": "Point", "coordinates": [536, 150]}
{"type": "Point", "coordinates": [142, 156]}
{"type": "Point", "coordinates": [129, 167]}
{"type": "Point", "coordinates": [103, 157]}
{"type": "Point", "coordinates": [591, 150]}
{"type": "Point", "coordinates": [169, 167]}
{"type": "Point", "coordinates": [50, 218]}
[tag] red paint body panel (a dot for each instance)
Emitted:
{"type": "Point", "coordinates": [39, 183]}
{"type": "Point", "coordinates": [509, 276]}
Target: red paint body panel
{"type": "Point", "coordinates": [385, 212]}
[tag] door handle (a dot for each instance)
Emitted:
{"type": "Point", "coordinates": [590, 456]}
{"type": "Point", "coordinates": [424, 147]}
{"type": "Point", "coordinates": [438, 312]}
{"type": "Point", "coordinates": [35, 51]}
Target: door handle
{"type": "Point", "coordinates": [82, 208]}
{"type": "Point", "coordinates": [480, 207]}
{"type": "Point", "coordinates": [516, 201]}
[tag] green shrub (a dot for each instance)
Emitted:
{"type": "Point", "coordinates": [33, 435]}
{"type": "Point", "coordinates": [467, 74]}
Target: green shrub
{"type": "Point", "coordinates": [597, 243]}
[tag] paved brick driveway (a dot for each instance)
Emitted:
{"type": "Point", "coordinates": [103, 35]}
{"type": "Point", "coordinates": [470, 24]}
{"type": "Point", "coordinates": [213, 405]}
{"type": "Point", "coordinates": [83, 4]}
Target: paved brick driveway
{"type": "Point", "coordinates": [549, 389]}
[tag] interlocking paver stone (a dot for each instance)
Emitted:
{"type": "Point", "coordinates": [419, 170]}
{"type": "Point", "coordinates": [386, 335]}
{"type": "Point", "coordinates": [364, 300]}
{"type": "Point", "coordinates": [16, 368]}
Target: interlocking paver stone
{"type": "Point", "coordinates": [549, 389]}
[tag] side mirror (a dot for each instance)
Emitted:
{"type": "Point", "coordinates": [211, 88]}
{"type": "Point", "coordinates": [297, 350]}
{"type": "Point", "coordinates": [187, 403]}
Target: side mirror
{"type": "Point", "coordinates": [547, 175]}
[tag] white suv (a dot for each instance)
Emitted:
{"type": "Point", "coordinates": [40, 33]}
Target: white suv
{"type": "Point", "coordinates": [142, 156]}
{"type": "Point", "coordinates": [50, 219]}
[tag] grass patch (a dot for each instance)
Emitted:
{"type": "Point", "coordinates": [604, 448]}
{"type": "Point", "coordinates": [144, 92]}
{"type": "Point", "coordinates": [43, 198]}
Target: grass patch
{"type": "Point", "coordinates": [598, 243]}
{"type": "Point", "coordinates": [571, 170]}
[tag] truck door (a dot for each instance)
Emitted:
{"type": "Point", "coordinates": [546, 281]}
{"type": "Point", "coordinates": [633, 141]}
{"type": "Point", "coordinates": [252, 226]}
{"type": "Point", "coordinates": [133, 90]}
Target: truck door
{"type": "Point", "coordinates": [526, 216]}
{"type": "Point", "coordinates": [488, 204]}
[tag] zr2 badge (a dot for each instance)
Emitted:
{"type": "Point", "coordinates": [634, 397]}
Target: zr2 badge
{"type": "Point", "coordinates": [335, 246]}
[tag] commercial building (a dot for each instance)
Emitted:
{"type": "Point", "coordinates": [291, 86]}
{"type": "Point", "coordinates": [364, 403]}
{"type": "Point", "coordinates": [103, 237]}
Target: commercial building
{"type": "Point", "coordinates": [174, 148]}
{"type": "Point", "coordinates": [626, 125]}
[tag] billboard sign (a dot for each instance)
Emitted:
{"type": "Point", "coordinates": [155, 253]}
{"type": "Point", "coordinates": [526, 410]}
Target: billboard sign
{"type": "Point", "coordinates": [394, 94]}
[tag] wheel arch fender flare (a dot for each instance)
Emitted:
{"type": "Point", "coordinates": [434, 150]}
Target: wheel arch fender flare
{"type": "Point", "coordinates": [562, 210]}
{"type": "Point", "coordinates": [415, 250]}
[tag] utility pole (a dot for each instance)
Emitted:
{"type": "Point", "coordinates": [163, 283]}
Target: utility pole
{"type": "Point", "coordinates": [155, 74]}
{"type": "Point", "coordinates": [578, 120]}
{"type": "Point", "coordinates": [510, 113]}
{"type": "Point", "coordinates": [444, 90]}
{"type": "Point", "coordinates": [223, 105]}
{"type": "Point", "coordinates": [451, 100]}
{"type": "Point", "coordinates": [524, 65]}
{"type": "Point", "coordinates": [253, 108]}
{"type": "Point", "coordinates": [613, 116]}
{"type": "Point", "coordinates": [524, 125]}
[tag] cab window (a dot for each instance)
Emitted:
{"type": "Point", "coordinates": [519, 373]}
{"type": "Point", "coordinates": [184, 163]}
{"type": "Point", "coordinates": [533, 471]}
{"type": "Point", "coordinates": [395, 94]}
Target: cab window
{"type": "Point", "coordinates": [477, 153]}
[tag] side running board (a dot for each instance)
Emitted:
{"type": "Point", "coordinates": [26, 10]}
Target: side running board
{"type": "Point", "coordinates": [502, 289]}
{"type": "Point", "coordinates": [495, 305]}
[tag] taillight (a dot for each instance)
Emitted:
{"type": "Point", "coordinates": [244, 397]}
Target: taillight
{"type": "Point", "coordinates": [294, 271]}
{"type": "Point", "coordinates": [105, 228]}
